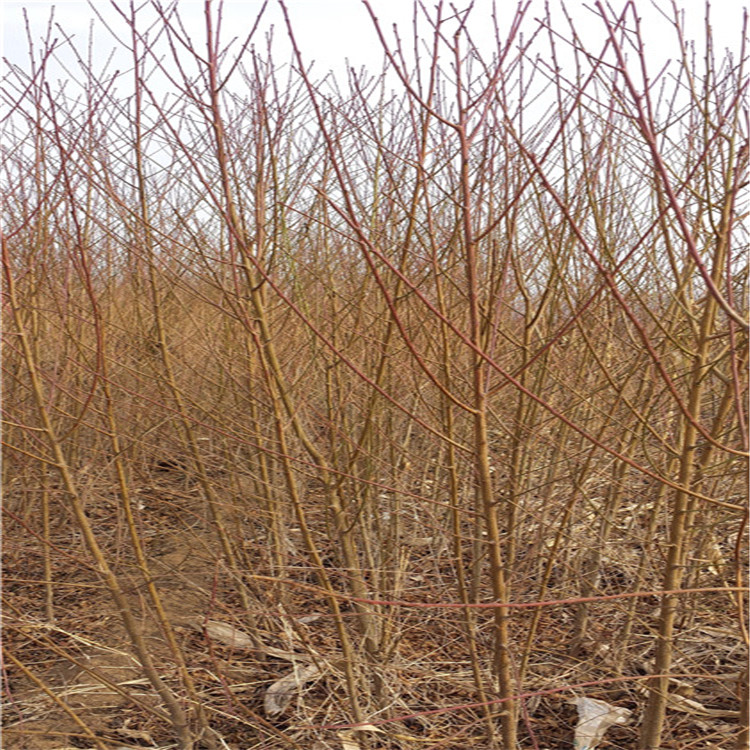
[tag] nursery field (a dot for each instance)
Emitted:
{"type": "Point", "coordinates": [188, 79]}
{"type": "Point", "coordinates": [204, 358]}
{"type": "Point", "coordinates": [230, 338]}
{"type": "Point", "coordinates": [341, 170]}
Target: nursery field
{"type": "Point", "coordinates": [401, 408]}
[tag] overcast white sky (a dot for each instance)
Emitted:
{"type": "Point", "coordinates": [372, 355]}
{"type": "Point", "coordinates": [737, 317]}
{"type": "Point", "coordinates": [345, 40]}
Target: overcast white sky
{"type": "Point", "coordinates": [331, 30]}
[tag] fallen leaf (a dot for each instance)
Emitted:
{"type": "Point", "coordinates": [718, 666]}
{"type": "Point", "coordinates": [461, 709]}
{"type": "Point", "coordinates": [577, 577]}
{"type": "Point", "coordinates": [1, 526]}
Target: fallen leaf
{"type": "Point", "coordinates": [347, 738]}
{"type": "Point", "coordinates": [279, 695]}
{"type": "Point", "coordinates": [690, 706]}
{"type": "Point", "coordinates": [278, 653]}
{"type": "Point", "coordinates": [136, 734]}
{"type": "Point", "coordinates": [226, 634]}
{"type": "Point", "coordinates": [368, 728]}
{"type": "Point", "coordinates": [307, 619]}
{"type": "Point", "coordinates": [235, 638]}
{"type": "Point", "coordinates": [348, 742]}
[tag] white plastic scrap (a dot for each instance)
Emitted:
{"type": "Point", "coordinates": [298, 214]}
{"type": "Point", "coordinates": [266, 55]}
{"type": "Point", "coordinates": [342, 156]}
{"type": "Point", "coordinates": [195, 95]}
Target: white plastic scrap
{"type": "Point", "coordinates": [594, 719]}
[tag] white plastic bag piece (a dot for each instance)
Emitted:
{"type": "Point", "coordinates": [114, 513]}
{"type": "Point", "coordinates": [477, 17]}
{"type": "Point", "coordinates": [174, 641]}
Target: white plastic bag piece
{"type": "Point", "coordinates": [594, 719]}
